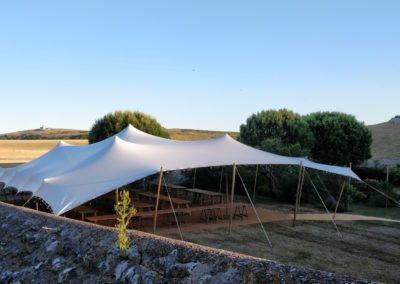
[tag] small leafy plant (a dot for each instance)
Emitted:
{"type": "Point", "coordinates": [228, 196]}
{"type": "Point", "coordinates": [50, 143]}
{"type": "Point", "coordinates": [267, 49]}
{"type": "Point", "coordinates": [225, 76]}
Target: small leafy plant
{"type": "Point", "coordinates": [125, 212]}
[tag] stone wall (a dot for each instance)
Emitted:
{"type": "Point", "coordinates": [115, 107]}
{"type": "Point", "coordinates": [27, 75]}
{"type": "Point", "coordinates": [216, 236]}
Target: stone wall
{"type": "Point", "coordinates": [37, 247]}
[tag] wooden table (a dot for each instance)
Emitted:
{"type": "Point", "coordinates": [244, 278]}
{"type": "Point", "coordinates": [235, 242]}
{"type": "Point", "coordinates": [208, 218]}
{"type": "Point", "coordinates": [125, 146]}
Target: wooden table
{"type": "Point", "coordinates": [85, 210]}
{"type": "Point", "coordinates": [175, 201]}
{"type": "Point", "coordinates": [202, 196]}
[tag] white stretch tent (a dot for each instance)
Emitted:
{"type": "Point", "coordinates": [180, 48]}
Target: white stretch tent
{"type": "Point", "coordinates": [68, 176]}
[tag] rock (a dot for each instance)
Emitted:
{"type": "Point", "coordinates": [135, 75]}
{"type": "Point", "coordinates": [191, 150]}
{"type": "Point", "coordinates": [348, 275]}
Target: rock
{"type": "Point", "coordinates": [149, 278]}
{"type": "Point", "coordinates": [231, 276]}
{"type": "Point", "coordinates": [167, 261]}
{"type": "Point", "coordinates": [57, 263]}
{"type": "Point", "coordinates": [38, 266]}
{"type": "Point", "coordinates": [192, 270]}
{"type": "Point", "coordinates": [66, 274]}
{"type": "Point", "coordinates": [52, 247]}
{"type": "Point", "coordinates": [134, 255]}
{"type": "Point", "coordinates": [120, 269]}
{"type": "Point", "coordinates": [132, 275]}
{"type": "Point", "coordinates": [6, 276]}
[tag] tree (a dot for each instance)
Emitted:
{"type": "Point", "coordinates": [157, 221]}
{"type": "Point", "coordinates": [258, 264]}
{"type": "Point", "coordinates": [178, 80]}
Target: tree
{"type": "Point", "coordinates": [282, 132]}
{"type": "Point", "coordinates": [339, 138]}
{"type": "Point", "coordinates": [112, 123]}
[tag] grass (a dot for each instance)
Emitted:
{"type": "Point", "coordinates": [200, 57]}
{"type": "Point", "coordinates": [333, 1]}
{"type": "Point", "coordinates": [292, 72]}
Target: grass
{"type": "Point", "coordinates": [385, 137]}
{"type": "Point", "coordinates": [390, 213]}
{"type": "Point", "coordinates": [191, 134]}
{"type": "Point", "coordinates": [13, 152]}
{"type": "Point", "coordinates": [20, 151]}
{"type": "Point", "coordinates": [369, 250]}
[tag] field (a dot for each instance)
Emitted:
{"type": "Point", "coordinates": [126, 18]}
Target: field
{"type": "Point", "coordinates": [368, 249]}
{"type": "Point", "coordinates": [19, 151]}
{"type": "Point", "coordinates": [386, 143]}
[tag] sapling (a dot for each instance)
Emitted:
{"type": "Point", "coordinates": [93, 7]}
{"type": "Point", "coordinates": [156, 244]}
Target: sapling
{"type": "Point", "coordinates": [125, 212]}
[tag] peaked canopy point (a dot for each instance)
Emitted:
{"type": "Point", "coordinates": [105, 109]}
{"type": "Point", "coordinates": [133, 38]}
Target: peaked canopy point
{"type": "Point", "coordinates": [68, 175]}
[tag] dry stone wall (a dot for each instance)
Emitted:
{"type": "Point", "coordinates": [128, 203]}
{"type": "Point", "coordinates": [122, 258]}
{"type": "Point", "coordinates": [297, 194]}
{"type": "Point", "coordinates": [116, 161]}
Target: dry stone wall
{"type": "Point", "coordinates": [37, 247]}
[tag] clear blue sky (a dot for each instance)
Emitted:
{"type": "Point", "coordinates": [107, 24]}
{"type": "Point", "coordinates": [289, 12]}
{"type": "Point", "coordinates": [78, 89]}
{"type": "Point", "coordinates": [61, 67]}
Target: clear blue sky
{"type": "Point", "coordinates": [196, 64]}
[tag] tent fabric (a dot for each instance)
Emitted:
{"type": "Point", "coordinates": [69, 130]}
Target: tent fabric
{"type": "Point", "coordinates": [68, 176]}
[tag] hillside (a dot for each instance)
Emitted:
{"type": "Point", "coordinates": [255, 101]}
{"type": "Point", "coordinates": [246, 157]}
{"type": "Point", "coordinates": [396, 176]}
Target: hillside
{"type": "Point", "coordinates": [45, 134]}
{"type": "Point", "coordinates": [386, 141]}
{"type": "Point", "coordinates": [62, 134]}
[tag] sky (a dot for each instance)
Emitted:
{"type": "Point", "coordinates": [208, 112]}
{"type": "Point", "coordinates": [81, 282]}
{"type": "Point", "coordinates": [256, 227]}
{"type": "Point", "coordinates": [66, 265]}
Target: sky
{"type": "Point", "coordinates": [196, 64]}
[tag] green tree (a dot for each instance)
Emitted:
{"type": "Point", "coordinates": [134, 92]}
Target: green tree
{"type": "Point", "coordinates": [339, 138]}
{"type": "Point", "coordinates": [282, 132]}
{"type": "Point", "coordinates": [112, 123]}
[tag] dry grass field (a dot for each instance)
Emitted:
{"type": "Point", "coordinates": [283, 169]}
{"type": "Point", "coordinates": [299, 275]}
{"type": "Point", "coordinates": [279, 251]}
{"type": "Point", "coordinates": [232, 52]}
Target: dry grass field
{"type": "Point", "coordinates": [20, 151]}
{"type": "Point", "coordinates": [386, 140]}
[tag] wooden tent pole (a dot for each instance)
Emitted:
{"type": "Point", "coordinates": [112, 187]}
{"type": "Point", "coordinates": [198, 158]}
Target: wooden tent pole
{"type": "Point", "coordinates": [255, 184]}
{"type": "Point", "coordinates": [301, 188]}
{"type": "Point", "coordinates": [116, 196]}
{"type": "Point", "coordinates": [37, 204]}
{"type": "Point", "coordinates": [232, 194]}
{"type": "Point", "coordinates": [340, 195]}
{"type": "Point", "coordinates": [297, 194]}
{"type": "Point", "coordinates": [387, 185]}
{"type": "Point", "coordinates": [157, 201]}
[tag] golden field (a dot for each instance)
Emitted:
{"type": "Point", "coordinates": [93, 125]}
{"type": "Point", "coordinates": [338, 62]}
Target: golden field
{"type": "Point", "coordinates": [20, 151]}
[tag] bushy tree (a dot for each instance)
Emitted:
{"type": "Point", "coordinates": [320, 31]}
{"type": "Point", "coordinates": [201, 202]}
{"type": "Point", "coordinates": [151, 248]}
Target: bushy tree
{"type": "Point", "coordinates": [282, 132]}
{"type": "Point", "coordinates": [339, 138]}
{"type": "Point", "coordinates": [112, 123]}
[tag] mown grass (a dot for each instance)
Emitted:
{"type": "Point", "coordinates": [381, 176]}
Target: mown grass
{"type": "Point", "coordinates": [391, 213]}
{"type": "Point", "coordinates": [367, 250]}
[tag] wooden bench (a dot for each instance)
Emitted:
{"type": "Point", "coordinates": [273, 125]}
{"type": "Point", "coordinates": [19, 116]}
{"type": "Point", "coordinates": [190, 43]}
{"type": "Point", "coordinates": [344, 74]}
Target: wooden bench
{"type": "Point", "coordinates": [208, 212]}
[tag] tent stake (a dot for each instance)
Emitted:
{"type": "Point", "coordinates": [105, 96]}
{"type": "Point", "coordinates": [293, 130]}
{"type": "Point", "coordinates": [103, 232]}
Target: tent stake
{"type": "Point", "coordinates": [255, 185]}
{"type": "Point", "coordinates": [297, 194]}
{"type": "Point", "coordinates": [157, 201]}
{"type": "Point", "coordinates": [232, 193]}
{"type": "Point", "coordinates": [254, 209]}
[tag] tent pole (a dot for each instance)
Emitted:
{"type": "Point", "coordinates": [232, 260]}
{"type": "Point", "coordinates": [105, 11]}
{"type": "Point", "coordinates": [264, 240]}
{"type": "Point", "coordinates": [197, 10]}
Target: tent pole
{"type": "Point", "coordinates": [340, 197]}
{"type": "Point", "coordinates": [173, 210]}
{"type": "Point", "coordinates": [227, 194]}
{"type": "Point", "coordinates": [255, 185]}
{"type": "Point", "coordinates": [297, 194]}
{"type": "Point", "coordinates": [157, 200]}
{"type": "Point", "coordinates": [194, 178]}
{"type": "Point", "coordinates": [301, 187]}
{"type": "Point", "coordinates": [232, 193]}
{"type": "Point", "coordinates": [387, 185]}
{"type": "Point", "coordinates": [37, 204]}
{"type": "Point", "coordinates": [255, 210]}
{"type": "Point", "coordinates": [116, 196]}
{"type": "Point", "coordinates": [323, 203]}
{"type": "Point", "coordinates": [220, 181]}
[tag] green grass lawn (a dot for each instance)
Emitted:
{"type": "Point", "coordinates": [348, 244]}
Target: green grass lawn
{"type": "Point", "coordinates": [391, 213]}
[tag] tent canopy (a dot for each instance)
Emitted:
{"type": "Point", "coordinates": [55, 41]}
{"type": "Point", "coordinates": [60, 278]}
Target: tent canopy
{"type": "Point", "coordinates": [68, 176]}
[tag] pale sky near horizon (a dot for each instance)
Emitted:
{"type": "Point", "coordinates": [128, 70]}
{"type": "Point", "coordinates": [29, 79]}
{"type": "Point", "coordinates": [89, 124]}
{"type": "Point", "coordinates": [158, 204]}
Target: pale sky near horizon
{"type": "Point", "coordinates": [196, 64]}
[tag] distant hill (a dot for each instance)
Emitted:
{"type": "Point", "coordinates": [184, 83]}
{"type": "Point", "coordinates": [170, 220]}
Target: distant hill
{"type": "Point", "coordinates": [62, 134]}
{"type": "Point", "coordinates": [386, 142]}
{"type": "Point", "coordinates": [46, 134]}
